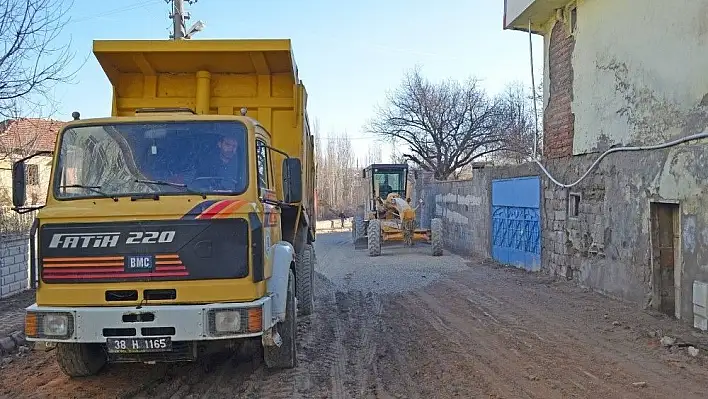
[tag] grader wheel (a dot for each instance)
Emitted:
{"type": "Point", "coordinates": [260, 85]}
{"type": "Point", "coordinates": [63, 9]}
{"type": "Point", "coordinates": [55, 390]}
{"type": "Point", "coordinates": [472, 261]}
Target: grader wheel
{"type": "Point", "coordinates": [436, 239]}
{"type": "Point", "coordinates": [359, 231]}
{"type": "Point", "coordinates": [374, 237]}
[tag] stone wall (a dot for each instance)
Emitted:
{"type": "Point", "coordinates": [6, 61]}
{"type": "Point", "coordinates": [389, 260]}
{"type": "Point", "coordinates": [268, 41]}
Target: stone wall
{"type": "Point", "coordinates": [14, 252]}
{"type": "Point", "coordinates": [465, 207]}
{"type": "Point", "coordinates": [606, 244]}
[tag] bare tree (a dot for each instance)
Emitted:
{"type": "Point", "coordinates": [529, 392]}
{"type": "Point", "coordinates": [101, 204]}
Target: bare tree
{"type": "Point", "coordinates": [31, 61]}
{"type": "Point", "coordinates": [374, 155]}
{"type": "Point", "coordinates": [397, 156]}
{"type": "Point", "coordinates": [337, 176]}
{"type": "Point", "coordinates": [517, 121]}
{"type": "Point", "coordinates": [445, 126]}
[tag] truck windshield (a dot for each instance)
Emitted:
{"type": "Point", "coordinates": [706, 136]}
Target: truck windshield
{"type": "Point", "coordinates": [174, 158]}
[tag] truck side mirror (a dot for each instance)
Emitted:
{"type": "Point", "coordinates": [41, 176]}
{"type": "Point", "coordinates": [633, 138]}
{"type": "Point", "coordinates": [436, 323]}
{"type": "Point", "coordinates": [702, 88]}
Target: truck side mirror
{"type": "Point", "coordinates": [292, 180]}
{"type": "Point", "coordinates": [19, 187]}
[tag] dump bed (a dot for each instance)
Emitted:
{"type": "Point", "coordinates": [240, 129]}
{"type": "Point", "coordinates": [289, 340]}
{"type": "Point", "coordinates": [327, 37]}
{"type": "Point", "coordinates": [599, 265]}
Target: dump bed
{"type": "Point", "coordinates": [216, 77]}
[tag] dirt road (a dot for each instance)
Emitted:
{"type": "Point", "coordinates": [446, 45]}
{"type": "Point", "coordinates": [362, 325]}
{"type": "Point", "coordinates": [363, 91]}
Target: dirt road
{"type": "Point", "coordinates": [413, 326]}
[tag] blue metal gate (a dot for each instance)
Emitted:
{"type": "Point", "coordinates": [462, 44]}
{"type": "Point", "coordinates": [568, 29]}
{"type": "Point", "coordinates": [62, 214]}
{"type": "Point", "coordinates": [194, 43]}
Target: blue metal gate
{"type": "Point", "coordinates": [516, 223]}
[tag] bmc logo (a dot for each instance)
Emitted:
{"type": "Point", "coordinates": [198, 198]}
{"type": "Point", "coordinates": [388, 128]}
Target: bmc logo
{"type": "Point", "coordinates": [109, 240]}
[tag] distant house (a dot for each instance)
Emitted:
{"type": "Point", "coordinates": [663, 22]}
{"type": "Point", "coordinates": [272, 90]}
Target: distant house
{"type": "Point", "coordinates": [22, 137]}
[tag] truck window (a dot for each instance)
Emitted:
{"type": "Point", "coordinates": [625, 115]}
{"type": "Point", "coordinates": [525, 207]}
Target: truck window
{"type": "Point", "coordinates": [209, 157]}
{"type": "Point", "coordinates": [263, 166]}
{"type": "Point", "coordinates": [389, 181]}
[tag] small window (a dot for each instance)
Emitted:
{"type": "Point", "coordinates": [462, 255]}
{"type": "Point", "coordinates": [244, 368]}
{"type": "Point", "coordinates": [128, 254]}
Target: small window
{"type": "Point", "coordinates": [574, 205]}
{"type": "Point", "coordinates": [262, 152]}
{"type": "Point", "coordinates": [33, 175]}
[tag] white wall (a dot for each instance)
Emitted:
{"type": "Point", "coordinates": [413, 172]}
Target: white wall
{"type": "Point", "coordinates": [640, 71]}
{"type": "Point", "coordinates": [45, 169]}
{"type": "Point", "coordinates": [514, 8]}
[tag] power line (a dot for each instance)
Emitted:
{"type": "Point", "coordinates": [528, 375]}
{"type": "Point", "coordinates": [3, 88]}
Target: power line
{"type": "Point", "coordinates": [130, 7]}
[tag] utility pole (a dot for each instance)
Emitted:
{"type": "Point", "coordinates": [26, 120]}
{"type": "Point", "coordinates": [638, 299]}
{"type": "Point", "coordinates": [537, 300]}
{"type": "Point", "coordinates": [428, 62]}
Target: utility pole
{"type": "Point", "coordinates": [178, 16]}
{"type": "Point", "coordinates": [177, 19]}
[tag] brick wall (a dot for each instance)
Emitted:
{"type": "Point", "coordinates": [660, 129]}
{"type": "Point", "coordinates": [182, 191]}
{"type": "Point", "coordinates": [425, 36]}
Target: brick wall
{"type": "Point", "coordinates": [559, 120]}
{"type": "Point", "coordinates": [14, 252]}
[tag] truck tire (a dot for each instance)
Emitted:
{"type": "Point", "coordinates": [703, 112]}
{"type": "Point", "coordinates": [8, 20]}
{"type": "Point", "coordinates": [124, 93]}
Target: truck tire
{"type": "Point", "coordinates": [80, 360]}
{"type": "Point", "coordinates": [305, 271]}
{"type": "Point", "coordinates": [374, 237]}
{"type": "Point", "coordinates": [285, 356]}
{"type": "Point", "coordinates": [436, 239]}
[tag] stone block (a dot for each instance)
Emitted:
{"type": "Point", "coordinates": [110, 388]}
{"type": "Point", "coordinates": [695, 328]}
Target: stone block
{"type": "Point", "coordinates": [597, 208]}
{"type": "Point", "coordinates": [19, 338]}
{"type": "Point", "coordinates": [559, 215]}
{"type": "Point", "coordinates": [7, 280]}
{"type": "Point", "coordinates": [7, 345]}
{"type": "Point", "coordinates": [15, 287]}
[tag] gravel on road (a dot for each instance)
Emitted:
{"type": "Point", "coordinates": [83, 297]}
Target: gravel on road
{"type": "Point", "coordinates": [410, 325]}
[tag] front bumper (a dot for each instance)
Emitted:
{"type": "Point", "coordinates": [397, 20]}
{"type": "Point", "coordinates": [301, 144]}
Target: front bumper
{"type": "Point", "coordinates": [178, 322]}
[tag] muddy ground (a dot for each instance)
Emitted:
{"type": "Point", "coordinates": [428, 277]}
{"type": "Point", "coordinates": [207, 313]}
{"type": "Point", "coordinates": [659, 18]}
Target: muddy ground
{"type": "Point", "coordinates": [407, 325]}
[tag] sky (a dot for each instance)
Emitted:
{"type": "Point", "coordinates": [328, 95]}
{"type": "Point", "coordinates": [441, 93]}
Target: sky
{"type": "Point", "coordinates": [349, 54]}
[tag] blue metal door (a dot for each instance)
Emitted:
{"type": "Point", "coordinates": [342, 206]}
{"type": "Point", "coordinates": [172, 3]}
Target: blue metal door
{"type": "Point", "coordinates": [516, 227]}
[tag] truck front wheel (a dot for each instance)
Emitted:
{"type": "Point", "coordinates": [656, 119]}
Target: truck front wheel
{"type": "Point", "coordinates": [285, 356]}
{"type": "Point", "coordinates": [80, 360]}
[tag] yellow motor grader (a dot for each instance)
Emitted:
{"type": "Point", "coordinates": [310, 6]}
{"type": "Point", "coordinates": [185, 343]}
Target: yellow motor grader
{"type": "Point", "coordinates": [386, 216]}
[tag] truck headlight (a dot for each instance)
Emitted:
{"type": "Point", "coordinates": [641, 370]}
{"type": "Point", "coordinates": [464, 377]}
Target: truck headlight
{"type": "Point", "coordinates": [55, 324]}
{"type": "Point", "coordinates": [226, 321]}
{"type": "Point", "coordinates": [58, 325]}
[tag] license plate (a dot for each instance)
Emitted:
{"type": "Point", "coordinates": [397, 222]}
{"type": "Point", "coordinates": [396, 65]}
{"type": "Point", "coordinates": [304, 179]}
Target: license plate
{"type": "Point", "coordinates": [139, 263]}
{"type": "Point", "coordinates": [138, 345]}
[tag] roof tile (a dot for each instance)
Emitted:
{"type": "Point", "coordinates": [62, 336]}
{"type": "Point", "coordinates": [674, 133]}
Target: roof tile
{"type": "Point", "coordinates": [29, 134]}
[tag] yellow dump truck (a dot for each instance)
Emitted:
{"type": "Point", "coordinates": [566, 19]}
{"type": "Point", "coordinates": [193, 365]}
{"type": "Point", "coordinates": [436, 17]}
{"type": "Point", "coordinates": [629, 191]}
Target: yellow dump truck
{"type": "Point", "coordinates": [184, 222]}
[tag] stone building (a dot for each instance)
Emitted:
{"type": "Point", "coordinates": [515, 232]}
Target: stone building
{"type": "Point", "coordinates": [625, 73]}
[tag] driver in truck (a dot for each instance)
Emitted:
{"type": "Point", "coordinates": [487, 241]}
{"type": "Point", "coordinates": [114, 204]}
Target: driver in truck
{"type": "Point", "coordinates": [226, 165]}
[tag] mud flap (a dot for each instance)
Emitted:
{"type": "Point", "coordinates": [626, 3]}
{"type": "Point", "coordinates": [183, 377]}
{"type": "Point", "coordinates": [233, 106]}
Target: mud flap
{"type": "Point", "coordinates": [277, 284]}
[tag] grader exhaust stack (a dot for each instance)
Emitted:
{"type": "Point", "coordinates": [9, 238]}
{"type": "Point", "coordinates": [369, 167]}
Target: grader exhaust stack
{"type": "Point", "coordinates": [386, 216]}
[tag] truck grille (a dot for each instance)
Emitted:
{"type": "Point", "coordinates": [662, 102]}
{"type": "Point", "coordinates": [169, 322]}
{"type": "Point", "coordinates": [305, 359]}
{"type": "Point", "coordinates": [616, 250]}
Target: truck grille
{"type": "Point", "coordinates": [175, 250]}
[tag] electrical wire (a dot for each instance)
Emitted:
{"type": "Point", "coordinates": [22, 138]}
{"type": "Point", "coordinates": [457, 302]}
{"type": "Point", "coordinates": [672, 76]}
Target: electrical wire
{"type": "Point", "coordinates": [672, 143]}
{"type": "Point", "coordinates": [129, 7]}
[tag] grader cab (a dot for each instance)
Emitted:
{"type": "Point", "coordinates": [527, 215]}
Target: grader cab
{"type": "Point", "coordinates": [388, 215]}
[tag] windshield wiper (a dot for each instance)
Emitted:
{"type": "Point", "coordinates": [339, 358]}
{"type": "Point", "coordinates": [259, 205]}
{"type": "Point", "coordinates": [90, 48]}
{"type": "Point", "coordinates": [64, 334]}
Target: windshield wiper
{"type": "Point", "coordinates": [171, 184]}
{"type": "Point", "coordinates": [95, 189]}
